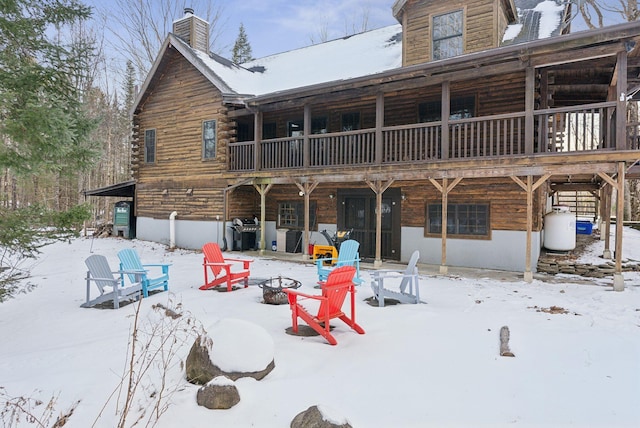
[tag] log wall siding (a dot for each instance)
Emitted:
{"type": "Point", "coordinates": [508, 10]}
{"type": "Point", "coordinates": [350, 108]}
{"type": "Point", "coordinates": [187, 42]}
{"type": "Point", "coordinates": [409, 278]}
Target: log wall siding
{"type": "Point", "coordinates": [496, 95]}
{"type": "Point", "coordinates": [366, 107]}
{"type": "Point", "coordinates": [508, 201]}
{"type": "Point", "coordinates": [179, 165]}
{"type": "Point", "coordinates": [480, 30]}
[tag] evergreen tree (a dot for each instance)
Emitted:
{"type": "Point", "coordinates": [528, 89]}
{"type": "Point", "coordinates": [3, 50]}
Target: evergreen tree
{"type": "Point", "coordinates": [44, 127]}
{"type": "Point", "coordinates": [42, 123]}
{"type": "Point", "coordinates": [241, 52]}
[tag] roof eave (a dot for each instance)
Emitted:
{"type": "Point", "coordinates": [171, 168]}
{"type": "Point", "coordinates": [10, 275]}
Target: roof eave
{"type": "Point", "coordinates": [397, 9]}
{"type": "Point", "coordinates": [188, 53]}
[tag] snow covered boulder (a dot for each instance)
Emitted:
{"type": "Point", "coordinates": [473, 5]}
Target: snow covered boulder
{"type": "Point", "coordinates": [219, 393]}
{"type": "Point", "coordinates": [233, 348]}
{"type": "Point", "coordinates": [319, 417]}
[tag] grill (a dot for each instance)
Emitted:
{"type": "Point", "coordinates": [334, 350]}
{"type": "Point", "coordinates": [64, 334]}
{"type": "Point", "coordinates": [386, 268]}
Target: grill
{"type": "Point", "coordinates": [244, 234]}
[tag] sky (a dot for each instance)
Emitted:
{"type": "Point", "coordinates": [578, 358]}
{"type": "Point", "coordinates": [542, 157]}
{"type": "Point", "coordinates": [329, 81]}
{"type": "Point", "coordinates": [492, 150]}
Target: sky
{"type": "Point", "coordinates": [275, 26]}
{"type": "Point", "coordinates": [434, 364]}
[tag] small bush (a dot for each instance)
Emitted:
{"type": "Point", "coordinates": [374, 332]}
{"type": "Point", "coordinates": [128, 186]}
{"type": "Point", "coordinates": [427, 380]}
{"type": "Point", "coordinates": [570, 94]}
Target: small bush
{"type": "Point", "coordinates": [24, 231]}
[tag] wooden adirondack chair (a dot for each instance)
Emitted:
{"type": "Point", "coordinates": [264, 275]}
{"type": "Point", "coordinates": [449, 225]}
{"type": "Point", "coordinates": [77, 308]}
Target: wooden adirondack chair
{"type": "Point", "coordinates": [348, 256]}
{"type": "Point", "coordinates": [334, 292]}
{"type": "Point", "coordinates": [408, 290]}
{"type": "Point", "coordinates": [108, 283]}
{"type": "Point", "coordinates": [130, 262]}
{"type": "Point", "coordinates": [225, 271]}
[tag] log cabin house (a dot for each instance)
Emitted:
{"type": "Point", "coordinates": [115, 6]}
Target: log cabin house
{"type": "Point", "coordinates": [450, 117]}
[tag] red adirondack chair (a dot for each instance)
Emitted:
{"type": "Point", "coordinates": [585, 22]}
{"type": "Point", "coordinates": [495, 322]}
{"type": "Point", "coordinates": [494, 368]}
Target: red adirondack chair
{"type": "Point", "coordinates": [334, 292]}
{"type": "Point", "coordinates": [225, 271]}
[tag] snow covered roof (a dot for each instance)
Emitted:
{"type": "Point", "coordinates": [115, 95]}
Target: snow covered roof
{"type": "Point", "coordinates": [359, 55]}
{"type": "Point", "coordinates": [536, 20]}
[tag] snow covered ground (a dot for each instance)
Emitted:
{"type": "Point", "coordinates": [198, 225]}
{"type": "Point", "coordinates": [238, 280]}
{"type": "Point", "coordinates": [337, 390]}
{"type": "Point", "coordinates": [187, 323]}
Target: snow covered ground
{"type": "Point", "coordinates": [435, 364]}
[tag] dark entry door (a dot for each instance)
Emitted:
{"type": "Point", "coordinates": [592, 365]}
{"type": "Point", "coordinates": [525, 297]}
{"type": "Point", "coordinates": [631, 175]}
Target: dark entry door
{"type": "Point", "coordinates": [358, 212]}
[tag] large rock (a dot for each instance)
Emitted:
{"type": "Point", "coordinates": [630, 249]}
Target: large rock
{"type": "Point", "coordinates": [314, 417]}
{"type": "Point", "coordinates": [220, 393]}
{"type": "Point", "coordinates": [234, 348]}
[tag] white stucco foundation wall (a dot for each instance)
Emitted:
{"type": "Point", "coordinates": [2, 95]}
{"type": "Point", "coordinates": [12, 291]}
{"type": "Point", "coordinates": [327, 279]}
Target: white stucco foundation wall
{"type": "Point", "coordinates": [193, 234]}
{"type": "Point", "coordinates": [506, 250]}
{"type": "Point", "coordinates": [190, 234]}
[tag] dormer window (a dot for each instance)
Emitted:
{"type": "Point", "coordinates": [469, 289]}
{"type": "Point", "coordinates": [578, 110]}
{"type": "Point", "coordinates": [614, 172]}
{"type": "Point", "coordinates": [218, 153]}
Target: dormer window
{"type": "Point", "coordinates": [447, 35]}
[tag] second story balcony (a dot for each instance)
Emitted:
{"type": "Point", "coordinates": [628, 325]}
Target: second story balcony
{"type": "Point", "coordinates": [548, 132]}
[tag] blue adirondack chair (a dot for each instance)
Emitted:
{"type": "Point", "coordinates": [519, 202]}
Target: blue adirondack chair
{"type": "Point", "coordinates": [348, 256]}
{"type": "Point", "coordinates": [130, 262]}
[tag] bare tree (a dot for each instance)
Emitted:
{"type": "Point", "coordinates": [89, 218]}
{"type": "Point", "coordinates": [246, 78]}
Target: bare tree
{"type": "Point", "coordinates": [140, 26]}
{"type": "Point", "coordinates": [322, 34]}
{"type": "Point", "coordinates": [356, 24]}
{"type": "Point", "coordinates": [593, 11]}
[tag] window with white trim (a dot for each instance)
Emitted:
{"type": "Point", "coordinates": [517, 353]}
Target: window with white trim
{"type": "Point", "coordinates": [150, 146]}
{"type": "Point", "coordinates": [209, 139]}
{"type": "Point", "coordinates": [447, 36]}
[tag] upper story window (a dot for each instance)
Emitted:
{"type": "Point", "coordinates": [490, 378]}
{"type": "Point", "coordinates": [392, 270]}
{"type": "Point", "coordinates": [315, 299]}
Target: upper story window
{"type": "Point", "coordinates": [269, 130]}
{"type": "Point", "coordinates": [319, 125]}
{"type": "Point", "coordinates": [350, 121]}
{"type": "Point", "coordinates": [460, 108]}
{"type": "Point", "coordinates": [295, 128]}
{"type": "Point", "coordinates": [447, 35]}
{"type": "Point", "coordinates": [243, 132]}
{"type": "Point", "coordinates": [209, 139]}
{"type": "Point", "coordinates": [150, 146]}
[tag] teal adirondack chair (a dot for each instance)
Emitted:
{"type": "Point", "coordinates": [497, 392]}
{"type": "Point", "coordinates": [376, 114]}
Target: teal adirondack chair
{"type": "Point", "coordinates": [130, 262]}
{"type": "Point", "coordinates": [348, 256]}
{"type": "Point", "coordinates": [108, 283]}
{"type": "Point", "coordinates": [405, 284]}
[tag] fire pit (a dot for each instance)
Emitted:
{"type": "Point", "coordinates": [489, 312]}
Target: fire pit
{"type": "Point", "coordinates": [272, 290]}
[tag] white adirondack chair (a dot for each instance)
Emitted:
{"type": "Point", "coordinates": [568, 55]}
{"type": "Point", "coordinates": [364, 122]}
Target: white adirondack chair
{"type": "Point", "coordinates": [108, 283]}
{"type": "Point", "coordinates": [406, 290]}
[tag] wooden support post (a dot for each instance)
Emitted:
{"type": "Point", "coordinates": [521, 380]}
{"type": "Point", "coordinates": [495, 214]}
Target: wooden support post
{"type": "Point", "coordinates": [445, 112]}
{"type": "Point", "coordinates": [529, 187]}
{"type": "Point", "coordinates": [618, 184]}
{"type": "Point", "coordinates": [306, 150]}
{"type": "Point", "coordinates": [618, 279]}
{"type": "Point", "coordinates": [605, 232]}
{"type": "Point", "coordinates": [306, 188]}
{"type": "Point", "coordinates": [378, 188]}
{"type": "Point", "coordinates": [445, 188]}
{"type": "Point", "coordinates": [262, 189]}
{"type": "Point", "coordinates": [257, 150]}
{"type": "Point", "coordinates": [621, 107]}
{"type": "Point", "coordinates": [379, 126]}
{"type": "Point", "coordinates": [529, 100]}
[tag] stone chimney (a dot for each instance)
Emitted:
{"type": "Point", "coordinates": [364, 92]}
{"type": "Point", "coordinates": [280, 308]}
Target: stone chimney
{"type": "Point", "coordinates": [193, 30]}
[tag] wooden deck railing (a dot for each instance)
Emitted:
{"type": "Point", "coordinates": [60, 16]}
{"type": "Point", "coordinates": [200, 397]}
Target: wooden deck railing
{"type": "Point", "coordinates": [557, 130]}
{"type": "Point", "coordinates": [342, 148]}
{"type": "Point", "coordinates": [576, 129]}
